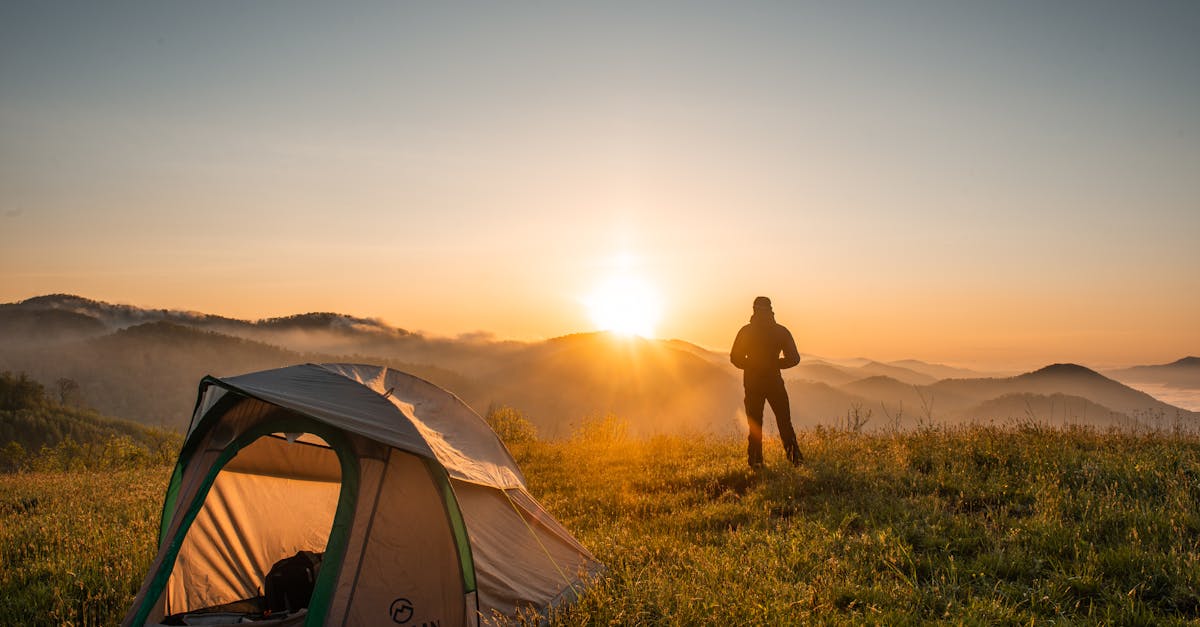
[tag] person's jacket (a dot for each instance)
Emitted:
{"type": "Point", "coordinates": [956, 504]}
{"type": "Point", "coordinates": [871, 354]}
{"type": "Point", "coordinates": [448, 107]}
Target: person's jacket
{"type": "Point", "coordinates": [758, 347]}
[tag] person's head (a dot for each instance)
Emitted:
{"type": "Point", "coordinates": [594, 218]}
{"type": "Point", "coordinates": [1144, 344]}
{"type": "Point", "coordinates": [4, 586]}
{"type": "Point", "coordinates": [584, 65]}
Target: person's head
{"type": "Point", "coordinates": [762, 303]}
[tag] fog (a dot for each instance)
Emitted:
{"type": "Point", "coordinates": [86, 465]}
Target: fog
{"type": "Point", "coordinates": [145, 365]}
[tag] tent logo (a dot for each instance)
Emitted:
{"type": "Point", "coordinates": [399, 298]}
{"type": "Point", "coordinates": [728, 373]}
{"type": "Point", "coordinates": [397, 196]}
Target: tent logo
{"type": "Point", "coordinates": [401, 611]}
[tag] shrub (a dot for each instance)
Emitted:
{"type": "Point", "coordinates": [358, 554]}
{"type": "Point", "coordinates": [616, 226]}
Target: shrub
{"type": "Point", "coordinates": [511, 425]}
{"type": "Point", "coordinates": [12, 457]}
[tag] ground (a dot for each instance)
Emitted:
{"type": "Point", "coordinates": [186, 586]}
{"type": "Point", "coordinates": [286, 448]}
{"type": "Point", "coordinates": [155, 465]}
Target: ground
{"type": "Point", "coordinates": [977, 525]}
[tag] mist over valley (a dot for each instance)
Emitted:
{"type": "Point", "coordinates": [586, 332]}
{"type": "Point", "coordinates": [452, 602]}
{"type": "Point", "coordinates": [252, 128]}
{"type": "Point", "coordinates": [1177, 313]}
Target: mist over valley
{"type": "Point", "coordinates": [144, 365]}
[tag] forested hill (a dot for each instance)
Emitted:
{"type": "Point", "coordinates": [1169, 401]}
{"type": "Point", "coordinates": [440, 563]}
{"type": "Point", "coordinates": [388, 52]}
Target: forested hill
{"type": "Point", "coordinates": [37, 429]}
{"type": "Point", "coordinates": [150, 372]}
{"type": "Point", "coordinates": [144, 365]}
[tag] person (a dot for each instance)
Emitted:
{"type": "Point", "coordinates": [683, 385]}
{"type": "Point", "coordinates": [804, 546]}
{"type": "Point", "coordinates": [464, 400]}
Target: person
{"type": "Point", "coordinates": [757, 352]}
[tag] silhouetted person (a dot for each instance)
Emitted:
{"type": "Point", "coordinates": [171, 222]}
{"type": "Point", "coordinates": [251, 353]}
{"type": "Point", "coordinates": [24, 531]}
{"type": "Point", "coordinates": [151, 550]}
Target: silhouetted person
{"type": "Point", "coordinates": [757, 351]}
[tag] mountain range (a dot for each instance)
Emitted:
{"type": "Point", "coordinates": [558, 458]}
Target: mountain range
{"type": "Point", "coordinates": [1184, 373]}
{"type": "Point", "coordinates": [144, 364]}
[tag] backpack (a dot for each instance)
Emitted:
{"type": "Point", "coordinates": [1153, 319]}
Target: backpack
{"type": "Point", "coordinates": [289, 583]}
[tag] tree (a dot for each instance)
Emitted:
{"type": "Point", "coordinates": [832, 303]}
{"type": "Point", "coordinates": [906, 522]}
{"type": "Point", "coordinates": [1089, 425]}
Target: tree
{"type": "Point", "coordinates": [67, 389]}
{"type": "Point", "coordinates": [20, 392]}
{"type": "Point", "coordinates": [12, 456]}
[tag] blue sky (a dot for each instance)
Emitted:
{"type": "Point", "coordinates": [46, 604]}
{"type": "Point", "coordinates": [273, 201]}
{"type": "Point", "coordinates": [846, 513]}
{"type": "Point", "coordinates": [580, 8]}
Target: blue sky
{"type": "Point", "coordinates": [972, 182]}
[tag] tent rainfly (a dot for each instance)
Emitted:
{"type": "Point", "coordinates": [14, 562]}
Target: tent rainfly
{"type": "Point", "coordinates": [405, 505]}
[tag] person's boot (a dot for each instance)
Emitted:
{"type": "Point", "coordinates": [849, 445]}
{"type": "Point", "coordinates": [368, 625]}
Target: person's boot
{"type": "Point", "coordinates": [754, 455]}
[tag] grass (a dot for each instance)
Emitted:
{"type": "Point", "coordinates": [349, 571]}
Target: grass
{"type": "Point", "coordinates": [74, 546]}
{"type": "Point", "coordinates": [976, 525]}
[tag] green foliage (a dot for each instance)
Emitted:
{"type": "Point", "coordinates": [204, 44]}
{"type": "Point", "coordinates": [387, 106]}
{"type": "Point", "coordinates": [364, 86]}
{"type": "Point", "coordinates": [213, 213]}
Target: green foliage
{"type": "Point", "coordinates": [115, 453]}
{"type": "Point", "coordinates": [12, 457]}
{"type": "Point", "coordinates": [976, 525]}
{"type": "Point", "coordinates": [37, 433]}
{"type": "Point", "coordinates": [57, 438]}
{"type": "Point", "coordinates": [511, 425]}
{"type": "Point", "coordinates": [18, 392]}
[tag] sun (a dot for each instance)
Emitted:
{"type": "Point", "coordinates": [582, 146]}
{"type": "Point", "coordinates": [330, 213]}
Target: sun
{"type": "Point", "coordinates": [628, 305]}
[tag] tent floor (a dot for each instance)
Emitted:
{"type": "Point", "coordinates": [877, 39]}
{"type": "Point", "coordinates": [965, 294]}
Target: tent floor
{"type": "Point", "coordinates": [233, 613]}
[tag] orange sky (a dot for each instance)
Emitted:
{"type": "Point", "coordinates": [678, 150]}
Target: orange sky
{"type": "Point", "coordinates": [997, 186]}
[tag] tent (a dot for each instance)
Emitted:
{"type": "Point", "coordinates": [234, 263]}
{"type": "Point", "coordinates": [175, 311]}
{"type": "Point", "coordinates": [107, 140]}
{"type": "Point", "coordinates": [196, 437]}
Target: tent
{"type": "Point", "coordinates": [416, 510]}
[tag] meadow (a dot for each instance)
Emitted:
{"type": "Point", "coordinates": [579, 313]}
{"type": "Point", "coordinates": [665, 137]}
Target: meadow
{"type": "Point", "coordinates": [974, 525]}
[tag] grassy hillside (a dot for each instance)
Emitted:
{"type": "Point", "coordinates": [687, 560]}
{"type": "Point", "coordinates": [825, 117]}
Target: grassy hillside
{"type": "Point", "coordinates": [977, 525]}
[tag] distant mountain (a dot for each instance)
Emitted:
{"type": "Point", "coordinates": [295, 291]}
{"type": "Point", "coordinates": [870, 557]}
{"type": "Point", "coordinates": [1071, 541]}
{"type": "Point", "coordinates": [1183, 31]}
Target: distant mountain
{"type": "Point", "coordinates": [144, 364]}
{"type": "Point", "coordinates": [113, 317]}
{"type": "Point", "coordinates": [147, 372]}
{"type": "Point", "coordinates": [65, 317]}
{"type": "Point", "coordinates": [1049, 409]}
{"type": "Point", "coordinates": [655, 386]}
{"type": "Point", "coordinates": [1069, 379]}
{"type": "Point", "coordinates": [904, 375]}
{"type": "Point", "coordinates": [836, 375]}
{"type": "Point", "coordinates": [330, 321]}
{"type": "Point", "coordinates": [907, 405]}
{"type": "Point", "coordinates": [23, 327]}
{"type": "Point", "coordinates": [74, 315]}
{"type": "Point", "coordinates": [884, 388]}
{"type": "Point", "coordinates": [815, 403]}
{"type": "Point", "coordinates": [716, 358]}
{"type": "Point", "coordinates": [150, 372]}
{"type": "Point", "coordinates": [936, 371]}
{"type": "Point", "coordinates": [821, 372]}
{"type": "Point", "coordinates": [1183, 373]}
{"type": "Point", "coordinates": [1058, 393]}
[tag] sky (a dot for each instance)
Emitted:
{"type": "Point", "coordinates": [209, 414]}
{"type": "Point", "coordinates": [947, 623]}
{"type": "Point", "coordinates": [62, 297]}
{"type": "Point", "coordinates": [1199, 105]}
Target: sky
{"type": "Point", "coordinates": [1003, 184]}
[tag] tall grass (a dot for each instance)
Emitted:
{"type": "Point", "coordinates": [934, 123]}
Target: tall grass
{"type": "Point", "coordinates": [74, 546]}
{"type": "Point", "coordinates": [978, 525]}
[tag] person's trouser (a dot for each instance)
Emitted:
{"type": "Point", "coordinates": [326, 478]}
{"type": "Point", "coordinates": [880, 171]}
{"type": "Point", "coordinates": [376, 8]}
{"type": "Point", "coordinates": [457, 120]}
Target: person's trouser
{"type": "Point", "coordinates": [769, 391]}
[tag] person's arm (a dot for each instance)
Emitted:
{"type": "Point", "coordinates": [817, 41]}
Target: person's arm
{"type": "Point", "coordinates": [738, 354]}
{"type": "Point", "coordinates": [791, 356]}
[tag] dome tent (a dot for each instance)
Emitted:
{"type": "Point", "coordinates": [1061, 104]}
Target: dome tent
{"type": "Point", "coordinates": [418, 512]}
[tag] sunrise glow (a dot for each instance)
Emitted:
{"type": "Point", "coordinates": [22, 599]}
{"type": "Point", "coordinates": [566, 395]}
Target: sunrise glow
{"type": "Point", "coordinates": [524, 171]}
{"type": "Point", "coordinates": [625, 304]}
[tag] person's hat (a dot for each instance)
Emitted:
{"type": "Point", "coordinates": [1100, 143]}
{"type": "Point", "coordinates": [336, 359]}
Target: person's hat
{"type": "Point", "coordinates": [762, 302]}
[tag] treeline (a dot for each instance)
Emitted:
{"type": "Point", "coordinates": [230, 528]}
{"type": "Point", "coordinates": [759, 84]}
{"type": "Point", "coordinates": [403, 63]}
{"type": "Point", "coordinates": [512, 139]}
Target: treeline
{"type": "Point", "coordinates": [39, 432]}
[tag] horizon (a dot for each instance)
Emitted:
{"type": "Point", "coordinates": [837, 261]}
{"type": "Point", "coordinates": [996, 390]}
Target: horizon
{"type": "Point", "coordinates": [998, 186]}
{"type": "Point", "coordinates": [983, 369]}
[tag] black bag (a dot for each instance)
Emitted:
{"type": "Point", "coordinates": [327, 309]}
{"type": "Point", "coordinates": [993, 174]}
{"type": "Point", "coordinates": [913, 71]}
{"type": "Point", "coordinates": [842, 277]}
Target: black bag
{"type": "Point", "coordinates": [289, 584]}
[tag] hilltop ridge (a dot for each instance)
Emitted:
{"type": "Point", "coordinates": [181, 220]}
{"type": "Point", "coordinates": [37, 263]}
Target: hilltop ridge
{"type": "Point", "coordinates": [116, 352]}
